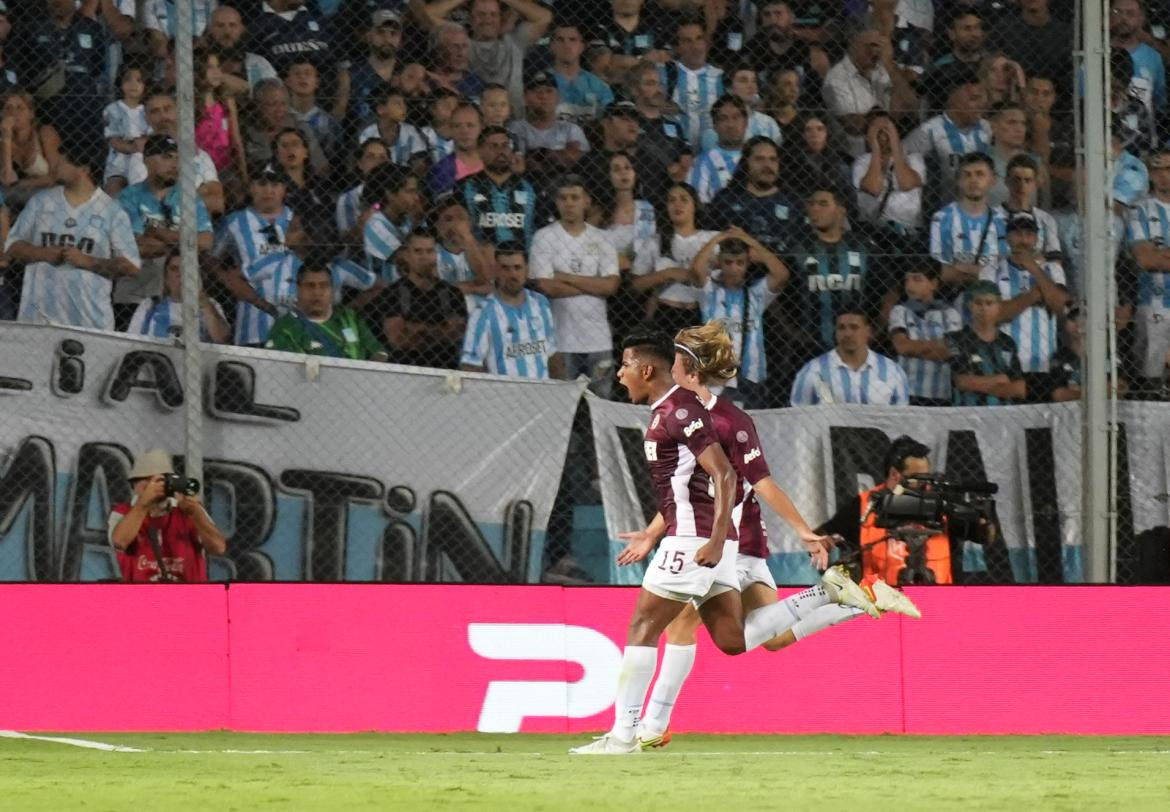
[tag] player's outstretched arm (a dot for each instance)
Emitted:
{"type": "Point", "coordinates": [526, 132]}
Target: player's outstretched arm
{"type": "Point", "coordinates": [777, 499]}
{"type": "Point", "coordinates": [639, 543]}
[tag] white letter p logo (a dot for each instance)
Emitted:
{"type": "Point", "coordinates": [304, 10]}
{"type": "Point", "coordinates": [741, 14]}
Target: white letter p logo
{"type": "Point", "coordinates": [507, 703]}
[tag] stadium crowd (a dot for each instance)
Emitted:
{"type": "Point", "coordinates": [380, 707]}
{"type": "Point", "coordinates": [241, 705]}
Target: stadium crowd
{"type": "Point", "coordinates": [878, 199]}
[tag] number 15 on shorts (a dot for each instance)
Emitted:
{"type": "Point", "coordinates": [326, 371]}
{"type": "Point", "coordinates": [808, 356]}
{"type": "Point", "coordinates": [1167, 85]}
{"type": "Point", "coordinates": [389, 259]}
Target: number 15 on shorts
{"type": "Point", "coordinates": [672, 561]}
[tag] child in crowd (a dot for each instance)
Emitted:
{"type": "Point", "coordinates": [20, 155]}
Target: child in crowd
{"type": "Point", "coordinates": [126, 128]}
{"type": "Point", "coordinates": [918, 325]}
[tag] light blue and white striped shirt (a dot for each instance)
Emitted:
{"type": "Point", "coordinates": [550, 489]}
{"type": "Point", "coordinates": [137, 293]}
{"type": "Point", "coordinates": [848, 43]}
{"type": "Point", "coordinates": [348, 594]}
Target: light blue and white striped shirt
{"type": "Point", "coordinates": [511, 340]}
{"type": "Point", "coordinates": [747, 334]}
{"type": "Point", "coordinates": [258, 248]}
{"type": "Point", "coordinates": [349, 274]}
{"type": "Point", "coordinates": [63, 293]}
{"type": "Point", "coordinates": [163, 318]}
{"type": "Point", "coordinates": [712, 170]}
{"type": "Point", "coordinates": [758, 124]}
{"type": "Point", "coordinates": [348, 209]}
{"type": "Point", "coordinates": [406, 146]}
{"type": "Point", "coordinates": [694, 92]}
{"type": "Point", "coordinates": [438, 146]}
{"type": "Point", "coordinates": [827, 379]}
{"type": "Point", "coordinates": [926, 321]}
{"type": "Point", "coordinates": [941, 139]}
{"type": "Point", "coordinates": [1034, 330]}
{"type": "Point", "coordinates": [1149, 221]}
{"type": "Point", "coordinates": [160, 15]}
{"type": "Point", "coordinates": [956, 236]}
{"type": "Point", "coordinates": [455, 269]}
{"type": "Point", "coordinates": [380, 240]}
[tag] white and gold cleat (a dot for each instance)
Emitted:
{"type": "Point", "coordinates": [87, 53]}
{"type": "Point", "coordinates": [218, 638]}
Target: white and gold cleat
{"type": "Point", "coordinates": [843, 590]}
{"type": "Point", "coordinates": [652, 741]}
{"type": "Point", "coordinates": [888, 599]}
{"type": "Point", "coordinates": [607, 745]}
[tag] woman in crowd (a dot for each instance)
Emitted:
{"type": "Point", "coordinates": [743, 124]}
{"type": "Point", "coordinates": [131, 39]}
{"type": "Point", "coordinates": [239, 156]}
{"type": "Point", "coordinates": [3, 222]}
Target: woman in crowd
{"type": "Point", "coordinates": [28, 150]}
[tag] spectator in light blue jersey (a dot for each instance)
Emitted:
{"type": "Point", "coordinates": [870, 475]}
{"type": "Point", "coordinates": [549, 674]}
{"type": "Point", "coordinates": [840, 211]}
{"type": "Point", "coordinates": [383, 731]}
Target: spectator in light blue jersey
{"type": "Point", "coordinates": [1127, 22]}
{"type": "Point", "coordinates": [851, 372]}
{"type": "Point", "coordinates": [462, 261]}
{"type": "Point", "coordinates": [584, 95]}
{"type": "Point", "coordinates": [965, 235]}
{"type": "Point", "coordinates": [1034, 293]}
{"type": "Point", "coordinates": [391, 206]}
{"type": "Point", "coordinates": [406, 144]}
{"type": "Point", "coordinates": [713, 168]}
{"type": "Point", "coordinates": [370, 155]}
{"type": "Point", "coordinates": [740, 305]}
{"type": "Point", "coordinates": [254, 258]}
{"type": "Point", "coordinates": [162, 316]}
{"type": "Point", "coordinates": [691, 83]}
{"type": "Point", "coordinates": [1148, 235]}
{"type": "Point", "coordinates": [917, 327]}
{"type": "Point", "coordinates": [743, 83]}
{"type": "Point", "coordinates": [512, 333]}
{"type": "Point", "coordinates": [303, 81]}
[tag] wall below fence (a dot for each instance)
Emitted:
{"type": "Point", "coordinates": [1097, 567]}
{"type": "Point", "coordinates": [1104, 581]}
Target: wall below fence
{"type": "Point", "coordinates": [306, 657]}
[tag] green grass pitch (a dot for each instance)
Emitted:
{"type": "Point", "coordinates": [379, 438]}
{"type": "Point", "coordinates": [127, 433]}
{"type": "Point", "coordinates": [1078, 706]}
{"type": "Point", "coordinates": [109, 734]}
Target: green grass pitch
{"type": "Point", "coordinates": [232, 771]}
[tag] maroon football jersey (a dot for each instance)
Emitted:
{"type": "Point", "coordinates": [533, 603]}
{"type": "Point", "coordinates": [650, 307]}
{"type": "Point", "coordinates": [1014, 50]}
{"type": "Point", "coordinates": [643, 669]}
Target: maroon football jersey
{"type": "Point", "coordinates": [680, 430]}
{"type": "Point", "coordinates": [737, 435]}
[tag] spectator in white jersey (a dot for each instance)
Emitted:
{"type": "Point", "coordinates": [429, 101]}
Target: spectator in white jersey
{"type": "Point", "coordinates": [959, 130]}
{"type": "Point", "coordinates": [965, 235]}
{"type": "Point", "coordinates": [577, 267]}
{"type": "Point", "coordinates": [674, 300]}
{"type": "Point", "coordinates": [733, 298]}
{"type": "Point", "coordinates": [714, 167]}
{"type": "Point", "coordinates": [512, 332]}
{"type": "Point", "coordinates": [918, 325]}
{"type": "Point", "coordinates": [550, 144]}
{"type": "Point", "coordinates": [866, 78]}
{"type": "Point", "coordinates": [851, 372]}
{"type": "Point", "coordinates": [691, 83]}
{"type": "Point", "coordinates": [162, 316]}
{"type": "Point", "coordinates": [74, 240]}
{"type": "Point", "coordinates": [1033, 292]}
{"type": "Point", "coordinates": [889, 183]}
{"type": "Point", "coordinates": [1148, 235]}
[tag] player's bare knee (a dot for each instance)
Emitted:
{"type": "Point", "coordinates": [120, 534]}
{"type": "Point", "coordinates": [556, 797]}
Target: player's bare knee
{"type": "Point", "coordinates": [730, 641]}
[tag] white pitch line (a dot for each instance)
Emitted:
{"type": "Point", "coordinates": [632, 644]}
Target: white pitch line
{"type": "Point", "coordinates": [86, 743]}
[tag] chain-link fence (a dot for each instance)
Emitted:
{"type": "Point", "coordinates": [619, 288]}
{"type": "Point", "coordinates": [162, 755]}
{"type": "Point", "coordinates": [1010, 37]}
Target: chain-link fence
{"type": "Point", "coordinates": [880, 201]}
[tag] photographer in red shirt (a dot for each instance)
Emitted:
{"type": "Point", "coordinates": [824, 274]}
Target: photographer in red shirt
{"type": "Point", "coordinates": [153, 525]}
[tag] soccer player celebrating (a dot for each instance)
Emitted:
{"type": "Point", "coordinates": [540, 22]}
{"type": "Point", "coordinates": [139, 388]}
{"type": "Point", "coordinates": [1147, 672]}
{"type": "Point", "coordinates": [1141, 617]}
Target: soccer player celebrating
{"type": "Point", "coordinates": [703, 356]}
{"type": "Point", "coordinates": [695, 488]}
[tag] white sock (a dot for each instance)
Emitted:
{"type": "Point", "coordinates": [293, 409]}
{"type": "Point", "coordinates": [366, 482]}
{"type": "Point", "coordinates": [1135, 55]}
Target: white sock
{"type": "Point", "coordinates": [676, 665]}
{"type": "Point", "coordinates": [823, 618]}
{"type": "Point", "coordinates": [638, 664]}
{"type": "Point", "coordinates": [769, 621]}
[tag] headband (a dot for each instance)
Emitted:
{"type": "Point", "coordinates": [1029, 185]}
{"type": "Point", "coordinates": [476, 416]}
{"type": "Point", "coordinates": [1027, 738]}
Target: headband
{"type": "Point", "coordinates": [688, 351]}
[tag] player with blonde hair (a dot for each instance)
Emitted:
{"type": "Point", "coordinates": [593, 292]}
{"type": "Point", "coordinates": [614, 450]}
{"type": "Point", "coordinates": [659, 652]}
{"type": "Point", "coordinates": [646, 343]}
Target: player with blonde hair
{"type": "Point", "coordinates": [705, 357]}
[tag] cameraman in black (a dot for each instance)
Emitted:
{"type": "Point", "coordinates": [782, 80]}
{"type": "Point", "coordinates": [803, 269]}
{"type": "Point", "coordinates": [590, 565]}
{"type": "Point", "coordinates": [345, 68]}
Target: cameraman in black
{"type": "Point", "coordinates": [885, 557]}
{"type": "Point", "coordinates": [163, 521]}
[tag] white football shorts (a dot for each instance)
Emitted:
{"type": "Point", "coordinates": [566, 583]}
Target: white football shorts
{"type": "Point", "coordinates": [751, 570]}
{"type": "Point", "coordinates": [674, 575]}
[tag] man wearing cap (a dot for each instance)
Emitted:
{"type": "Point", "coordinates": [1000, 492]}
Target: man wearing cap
{"type": "Point", "coordinates": [985, 369]}
{"type": "Point", "coordinates": [370, 76]}
{"type": "Point", "coordinates": [254, 257]}
{"type": "Point", "coordinates": [162, 117]}
{"type": "Point", "coordinates": [153, 208]}
{"type": "Point", "coordinates": [621, 132]}
{"type": "Point", "coordinates": [74, 241]}
{"type": "Point", "coordinates": [548, 143]}
{"type": "Point", "coordinates": [152, 525]}
{"type": "Point", "coordinates": [1033, 292]}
